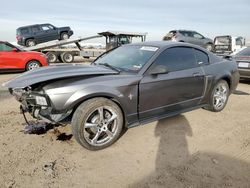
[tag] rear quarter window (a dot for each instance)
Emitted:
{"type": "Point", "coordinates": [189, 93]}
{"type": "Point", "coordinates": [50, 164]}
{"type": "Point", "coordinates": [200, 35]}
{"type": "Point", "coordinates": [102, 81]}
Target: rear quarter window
{"type": "Point", "coordinates": [24, 31]}
{"type": "Point", "coordinates": [201, 56]}
{"type": "Point", "coordinates": [186, 33]}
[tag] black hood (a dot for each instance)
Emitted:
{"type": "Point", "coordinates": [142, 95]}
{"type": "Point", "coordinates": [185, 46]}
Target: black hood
{"type": "Point", "coordinates": [56, 72]}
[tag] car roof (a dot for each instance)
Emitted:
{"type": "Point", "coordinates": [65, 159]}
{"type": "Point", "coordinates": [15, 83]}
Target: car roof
{"type": "Point", "coordinates": [32, 25]}
{"type": "Point", "coordinates": [181, 30]}
{"type": "Point", "coordinates": [163, 44]}
{"type": "Point", "coordinates": [186, 30]}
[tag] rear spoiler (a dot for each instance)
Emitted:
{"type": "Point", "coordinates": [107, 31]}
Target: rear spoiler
{"type": "Point", "coordinates": [228, 57]}
{"type": "Point", "coordinates": [225, 56]}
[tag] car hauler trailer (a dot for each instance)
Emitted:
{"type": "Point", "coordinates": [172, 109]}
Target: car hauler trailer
{"type": "Point", "coordinates": [55, 51]}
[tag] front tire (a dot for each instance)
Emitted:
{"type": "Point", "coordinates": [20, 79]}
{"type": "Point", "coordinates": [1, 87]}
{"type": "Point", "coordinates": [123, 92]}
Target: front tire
{"type": "Point", "coordinates": [209, 47]}
{"type": "Point", "coordinates": [219, 97]}
{"type": "Point", "coordinates": [33, 64]}
{"type": "Point", "coordinates": [97, 123]}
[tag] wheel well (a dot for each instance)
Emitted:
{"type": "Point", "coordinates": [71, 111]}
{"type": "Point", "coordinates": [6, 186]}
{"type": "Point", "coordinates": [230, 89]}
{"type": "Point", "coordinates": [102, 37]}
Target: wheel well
{"type": "Point", "coordinates": [107, 97]}
{"type": "Point", "coordinates": [228, 80]}
{"type": "Point", "coordinates": [63, 32]}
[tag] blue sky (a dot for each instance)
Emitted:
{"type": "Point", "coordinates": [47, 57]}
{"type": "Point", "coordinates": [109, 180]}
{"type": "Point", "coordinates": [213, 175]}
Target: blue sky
{"type": "Point", "coordinates": [156, 17]}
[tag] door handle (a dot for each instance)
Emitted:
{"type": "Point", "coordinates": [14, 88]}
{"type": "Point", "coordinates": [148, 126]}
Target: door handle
{"type": "Point", "coordinates": [196, 74]}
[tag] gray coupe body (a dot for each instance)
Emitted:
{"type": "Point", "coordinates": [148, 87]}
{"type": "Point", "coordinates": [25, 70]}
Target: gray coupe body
{"type": "Point", "coordinates": [144, 95]}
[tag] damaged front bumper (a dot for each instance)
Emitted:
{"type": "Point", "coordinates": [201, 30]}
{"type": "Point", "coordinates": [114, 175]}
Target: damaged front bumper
{"type": "Point", "coordinates": [38, 104]}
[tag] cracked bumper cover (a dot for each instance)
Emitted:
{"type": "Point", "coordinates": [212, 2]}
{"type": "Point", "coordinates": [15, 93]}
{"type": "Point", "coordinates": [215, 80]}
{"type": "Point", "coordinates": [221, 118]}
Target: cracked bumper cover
{"type": "Point", "coordinates": [38, 105]}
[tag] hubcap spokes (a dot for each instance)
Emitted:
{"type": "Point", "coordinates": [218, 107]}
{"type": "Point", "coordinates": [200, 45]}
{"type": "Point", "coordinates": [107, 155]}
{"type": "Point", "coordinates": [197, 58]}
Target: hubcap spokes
{"type": "Point", "coordinates": [101, 126]}
{"type": "Point", "coordinates": [220, 96]}
{"type": "Point", "coordinates": [65, 37]}
{"type": "Point", "coordinates": [33, 65]}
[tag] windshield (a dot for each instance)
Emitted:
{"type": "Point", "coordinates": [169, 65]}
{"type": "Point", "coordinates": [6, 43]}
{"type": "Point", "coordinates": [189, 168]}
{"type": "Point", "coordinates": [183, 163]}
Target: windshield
{"type": "Point", "coordinates": [222, 40]}
{"type": "Point", "coordinates": [128, 58]}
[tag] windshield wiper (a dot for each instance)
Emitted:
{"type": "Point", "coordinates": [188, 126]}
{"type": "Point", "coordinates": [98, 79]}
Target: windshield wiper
{"type": "Point", "coordinates": [110, 66]}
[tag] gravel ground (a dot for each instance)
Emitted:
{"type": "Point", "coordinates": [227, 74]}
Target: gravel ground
{"type": "Point", "coordinates": [195, 149]}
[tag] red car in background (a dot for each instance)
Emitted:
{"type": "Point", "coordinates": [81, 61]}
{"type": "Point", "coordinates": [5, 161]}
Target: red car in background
{"type": "Point", "coordinates": [16, 59]}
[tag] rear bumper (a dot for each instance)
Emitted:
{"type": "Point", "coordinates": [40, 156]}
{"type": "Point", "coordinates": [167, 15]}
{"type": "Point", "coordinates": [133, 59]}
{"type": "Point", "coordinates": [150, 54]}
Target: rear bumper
{"type": "Point", "coordinates": [21, 42]}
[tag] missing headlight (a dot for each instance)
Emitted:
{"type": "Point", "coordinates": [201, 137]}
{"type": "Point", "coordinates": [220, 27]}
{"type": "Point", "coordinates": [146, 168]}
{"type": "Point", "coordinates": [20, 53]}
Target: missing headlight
{"type": "Point", "coordinates": [41, 100]}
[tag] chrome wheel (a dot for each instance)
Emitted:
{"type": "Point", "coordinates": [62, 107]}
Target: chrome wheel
{"type": "Point", "coordinates": [100, 126]}
{"type": "Point", "coordinates": [220, 96]}
{"type": "Point", "coordinates": [33, 65]}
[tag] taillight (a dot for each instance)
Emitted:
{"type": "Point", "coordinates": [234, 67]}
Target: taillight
{"type": "Point", "coordinates": [174, 37]}
{"type": "Point", "coordinates": [18, 37]}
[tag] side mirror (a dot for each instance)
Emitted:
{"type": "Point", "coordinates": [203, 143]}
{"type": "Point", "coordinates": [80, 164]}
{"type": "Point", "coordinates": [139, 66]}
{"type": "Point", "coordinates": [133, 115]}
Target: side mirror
{"type": "Point", "coordinates": [14, 50]}
{"type": "Point", "coordinates": [159, 69]}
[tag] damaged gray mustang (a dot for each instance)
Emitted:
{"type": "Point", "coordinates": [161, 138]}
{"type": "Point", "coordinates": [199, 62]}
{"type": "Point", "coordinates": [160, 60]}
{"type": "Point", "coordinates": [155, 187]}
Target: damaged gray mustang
{"type": "Point", "coordinates": [131, 85]}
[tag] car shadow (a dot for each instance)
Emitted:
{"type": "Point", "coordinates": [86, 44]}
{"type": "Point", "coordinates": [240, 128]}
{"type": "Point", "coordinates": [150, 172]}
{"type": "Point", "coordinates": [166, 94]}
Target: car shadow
{"type": "Point", "coordinates": [245, 81]}
{"type": "Point", "coordinates": [176, 167]}
{"type": "Point", "coordinates": [238, 92]}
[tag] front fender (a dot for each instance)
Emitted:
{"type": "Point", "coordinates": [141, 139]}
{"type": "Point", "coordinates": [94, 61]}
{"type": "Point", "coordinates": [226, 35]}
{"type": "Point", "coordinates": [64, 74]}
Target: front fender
{"type": "Point", "coordinates": [126, 98]}
{"type": "Point", "coordinates": [90, 92]}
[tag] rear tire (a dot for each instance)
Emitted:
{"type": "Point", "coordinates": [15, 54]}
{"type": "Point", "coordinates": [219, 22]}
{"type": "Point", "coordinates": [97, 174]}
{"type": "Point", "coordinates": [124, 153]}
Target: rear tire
{"type": "Point", "coordinates": [67, 57]}
{"type": "Point", "coordinates": [64, 36]}
{"type": "Point", "coordinates": [33, 64]}
{"type": "Point", "coordinates": [30, 43]}
{"type": "Point", "coordinates": [97, 123]}
{"type": "Point", "coordinates": [219, 97]}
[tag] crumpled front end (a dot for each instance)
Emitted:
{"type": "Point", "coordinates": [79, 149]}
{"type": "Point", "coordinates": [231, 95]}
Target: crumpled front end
{"type": "Point", "coordinates": [38, 104]}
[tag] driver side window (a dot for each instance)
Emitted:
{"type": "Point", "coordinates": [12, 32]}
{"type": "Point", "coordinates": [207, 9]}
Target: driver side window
{"type": "Point", "coordinates": [177, 58]}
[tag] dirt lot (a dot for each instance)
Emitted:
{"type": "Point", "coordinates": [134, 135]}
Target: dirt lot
{"type": "Point", "coordinates": [195, 149]}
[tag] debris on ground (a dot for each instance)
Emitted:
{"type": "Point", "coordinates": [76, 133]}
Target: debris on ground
{"type": "Point", "coordinates": [64, 137]}
{"type": "Point", "coordinates": [49, 169]}
{"type": "Point", "coordinates": [38, 127]}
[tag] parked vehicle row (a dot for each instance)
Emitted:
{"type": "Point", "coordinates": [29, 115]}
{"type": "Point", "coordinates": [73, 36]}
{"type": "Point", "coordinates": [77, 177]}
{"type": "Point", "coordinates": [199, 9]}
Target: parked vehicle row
{"type": "Point", "coordinates": [125, 87]}
{"type": "Point", "coordinates": [243, 60]}
{"type": "Point", "coordinates": [13, 58]}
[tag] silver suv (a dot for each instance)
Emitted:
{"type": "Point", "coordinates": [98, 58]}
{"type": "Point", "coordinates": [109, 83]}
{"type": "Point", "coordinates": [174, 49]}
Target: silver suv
{"type": "Point", "coordinates": [192, 37]}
